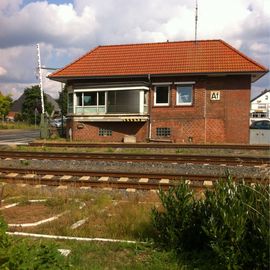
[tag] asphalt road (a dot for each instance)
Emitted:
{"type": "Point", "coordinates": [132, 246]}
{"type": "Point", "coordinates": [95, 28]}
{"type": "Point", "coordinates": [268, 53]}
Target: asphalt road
{"type": "Point", "coordinates": [18, 136]}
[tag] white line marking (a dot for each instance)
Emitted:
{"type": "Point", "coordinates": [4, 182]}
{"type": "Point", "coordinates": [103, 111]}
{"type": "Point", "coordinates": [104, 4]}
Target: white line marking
{"type": "Point", "coordinates": [72, 238]}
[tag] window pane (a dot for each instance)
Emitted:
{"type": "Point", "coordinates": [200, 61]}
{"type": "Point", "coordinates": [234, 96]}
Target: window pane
{"type": "Point", "coordinates": [79, 99]}
{"type": "Point", "coordinates": [184, 94]}
{"type": "Point", "coordinates": [101, 98]}
{"type": "Point", "coordinates": [145, 101]}
{"type": "Point", "coordinates": [70, 100]}
{"type": "Point", "coordinates": [162, 95]}
{"type": "Point", "coordinates": [163, 132]}
{"type": "Point", "coordinates": [105, 132]}
{"type": "Point", "coordinates": [90, 98]}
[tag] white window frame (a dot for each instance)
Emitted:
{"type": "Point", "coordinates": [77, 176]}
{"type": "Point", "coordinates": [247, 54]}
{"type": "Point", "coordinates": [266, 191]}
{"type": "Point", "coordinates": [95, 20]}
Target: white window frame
{"type": "Point", "coordinates": [155, 95]}
{"type": "Point", "coordinates": [179, 84]}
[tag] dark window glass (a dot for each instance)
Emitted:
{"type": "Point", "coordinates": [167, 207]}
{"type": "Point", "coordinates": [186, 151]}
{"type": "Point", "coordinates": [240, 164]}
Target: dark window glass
{"type": "Point", "coordinates": [79, 99]}
{"type": "Point", "coordinates": [90, 98]}
{"type": "Point", "coordinates": [162, 95]}
{"type": "Point", "coordinates": [70, 100]}
{"type": "Point", "coordinates": [101, 98]}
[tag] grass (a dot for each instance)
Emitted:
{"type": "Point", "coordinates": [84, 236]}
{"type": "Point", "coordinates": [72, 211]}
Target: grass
{"type": "Point", "coordinates": [184, 151]}
{"type": "Point", "coordinates": [100, 256]}
{"type": "Point", "coordinates": [108, 215]}
{"type": "Point", "coordinates": [116, 215]}
{"type": "Point", "coordinates": [16, 125]}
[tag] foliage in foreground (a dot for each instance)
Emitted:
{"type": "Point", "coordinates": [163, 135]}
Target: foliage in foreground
{"type": "Point", "coordinates": [22, 255]}
{"type": "Point", "coordinates": [231, 222]}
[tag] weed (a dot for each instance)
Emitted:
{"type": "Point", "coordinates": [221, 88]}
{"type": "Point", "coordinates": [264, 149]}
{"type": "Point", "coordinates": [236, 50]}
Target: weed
{"type": "Point", "coordinates": [25, 162]}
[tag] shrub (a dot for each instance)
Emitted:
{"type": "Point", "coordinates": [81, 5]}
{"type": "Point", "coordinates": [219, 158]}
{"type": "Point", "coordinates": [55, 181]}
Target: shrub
{"type": "Point", "coordinates": [232, 220]}
{"type": "Point", "coordinates": [178, 225]}
{"type": "Point", "coordinates": [22, 255]}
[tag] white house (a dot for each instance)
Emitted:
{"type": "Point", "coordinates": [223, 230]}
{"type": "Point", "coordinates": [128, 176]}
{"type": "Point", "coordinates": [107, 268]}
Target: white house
{"type": "Point", "coordinates": [260, 107]}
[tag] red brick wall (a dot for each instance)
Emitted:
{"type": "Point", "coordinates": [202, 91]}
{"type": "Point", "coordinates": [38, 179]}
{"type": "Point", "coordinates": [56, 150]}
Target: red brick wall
{"type": "Point", "coordinates": [223, 121]}
{"type": "Point", "coordinates": [90, 131]}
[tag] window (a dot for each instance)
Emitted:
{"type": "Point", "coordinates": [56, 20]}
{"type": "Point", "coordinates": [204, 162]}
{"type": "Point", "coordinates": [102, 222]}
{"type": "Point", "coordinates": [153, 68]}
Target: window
{"type": "Point", "coordinates": [78, 99]}
{"type": "Point", "coordinates": [259, 115]}
{"type": "Point", "coordinates": [161, 96]}
{"type": "Point", "coordinates": [163, 132]}
{"type": "Point", "coordinates": [184, 95]}
{"type": "Point", "coordinates": [70, 103]}
{"type": "Point", "coordinates": [105, 132]}
{"type": "Point", "coordinates": [101, 98]}
{"type": "Point", "coordinates": [90, 99]}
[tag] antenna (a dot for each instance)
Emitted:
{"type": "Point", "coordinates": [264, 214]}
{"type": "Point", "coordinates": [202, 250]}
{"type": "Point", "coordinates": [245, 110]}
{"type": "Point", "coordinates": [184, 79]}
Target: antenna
{"type": "Point", "coordinates": [196, 20]}
{"type": "Point", "coordinates": [40, 79]}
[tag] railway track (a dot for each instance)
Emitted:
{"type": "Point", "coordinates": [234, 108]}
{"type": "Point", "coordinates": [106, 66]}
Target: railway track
{"type": "Point", "coordinates": [153, 145]}
{"type": "Point", "coordinates": [195, 159]}
{"type": "Point", "coordinates": [109, 180]}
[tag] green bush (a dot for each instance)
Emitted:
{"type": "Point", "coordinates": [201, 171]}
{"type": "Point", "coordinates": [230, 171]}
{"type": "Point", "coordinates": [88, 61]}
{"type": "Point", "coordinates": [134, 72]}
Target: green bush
{"type": "Point", "coordinates": [179, 220]}
{"type": "Point", "coordinates": [231, 219]}
{"type": "Point", "coordinates": [21, 255]}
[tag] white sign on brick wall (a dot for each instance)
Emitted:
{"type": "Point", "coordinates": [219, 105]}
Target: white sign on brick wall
{"type": "Point", "coordinates": [215, 95]}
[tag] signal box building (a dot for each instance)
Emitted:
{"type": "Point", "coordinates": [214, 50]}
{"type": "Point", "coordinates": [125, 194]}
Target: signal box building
{"type": "Point", "coordinates": [183, 92]}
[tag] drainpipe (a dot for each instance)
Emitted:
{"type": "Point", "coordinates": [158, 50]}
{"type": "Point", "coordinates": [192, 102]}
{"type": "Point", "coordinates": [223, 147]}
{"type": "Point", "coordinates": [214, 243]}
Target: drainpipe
{"type": "Point", "coordinates": [149, 109]}
{"type": "Point", "coordinates": [204, 114]}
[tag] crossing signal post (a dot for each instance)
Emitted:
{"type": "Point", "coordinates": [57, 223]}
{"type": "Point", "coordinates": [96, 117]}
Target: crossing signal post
{"type": "Point", "coordinates": [44, 126]}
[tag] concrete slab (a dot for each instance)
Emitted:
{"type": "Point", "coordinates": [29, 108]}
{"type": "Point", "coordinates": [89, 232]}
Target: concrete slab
{"type": "Point", "coordinates": [103, 178]}
{"type": "Point", "coordinates": [62, 187]}
{"type": "Point", "coordinates": [143, 180]}
{"type": "Point", "coordinates": [130, 190]}
{"type": "Point", "coordinates": [65, 177]}
{"type": "Point", "coordinates": [84, 178]}
{"type": "Point", "coordinates": [123, 179]}
{"type": "Point", "coordinates": [164, 181]}
{"type": "Point", "coordinates": [47, 176]}
{"type": "Point", "coordinates": [208, 183]}
{"type": "Point", "coordinates": [30, 175]}
{"type": "Point", "coordinates": [12, 175]}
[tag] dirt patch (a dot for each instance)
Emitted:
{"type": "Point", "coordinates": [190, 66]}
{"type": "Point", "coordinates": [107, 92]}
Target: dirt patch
{"type": "Point", "coordinates": [28, 213]}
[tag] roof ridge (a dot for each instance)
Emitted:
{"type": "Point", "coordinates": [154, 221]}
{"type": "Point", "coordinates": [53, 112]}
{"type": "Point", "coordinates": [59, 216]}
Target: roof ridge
{"type": "Point", "coordinates": [245, 56]}
{"type": "Point", "coordinates": [73, 62]}
{"type": "Point", "coordinates": [160, 42]}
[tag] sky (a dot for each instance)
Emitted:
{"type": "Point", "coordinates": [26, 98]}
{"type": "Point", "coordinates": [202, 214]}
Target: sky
{"type": "Point", "coordinates": [66, 29]}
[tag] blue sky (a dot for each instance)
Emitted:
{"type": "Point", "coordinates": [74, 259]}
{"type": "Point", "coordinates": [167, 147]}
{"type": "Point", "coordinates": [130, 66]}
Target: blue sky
{"type": "Point", "coordinates": [67, 29]}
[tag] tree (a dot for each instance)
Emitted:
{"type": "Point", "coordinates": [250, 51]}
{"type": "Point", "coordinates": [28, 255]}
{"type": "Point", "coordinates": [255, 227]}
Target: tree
{"type": "Point", "coordinates": [5, 104]}
{"type": "Point", "coordinates": [32, 104]}
{"type": "Point", "coordinates": [62, 101]}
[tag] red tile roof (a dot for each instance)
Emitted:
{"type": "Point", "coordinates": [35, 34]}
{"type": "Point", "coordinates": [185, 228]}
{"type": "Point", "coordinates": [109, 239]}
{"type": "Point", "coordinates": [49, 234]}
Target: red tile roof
{"type": "Point", "coordinates": [186, 57]}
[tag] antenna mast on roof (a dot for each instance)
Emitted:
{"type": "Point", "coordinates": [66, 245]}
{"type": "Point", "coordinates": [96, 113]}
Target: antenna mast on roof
{"type": "Point", "coordinates": [196, 20]}
{"type": "Point", "coordinates": [40, 79]}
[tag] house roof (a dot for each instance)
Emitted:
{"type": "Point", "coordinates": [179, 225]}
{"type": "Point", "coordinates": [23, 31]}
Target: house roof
{"type": "Point", "coordinates": [261, 94]}
{"type": "Point", "coordinates": [186, 57]}
{"type": "Point", "coordinates": [17, 104]}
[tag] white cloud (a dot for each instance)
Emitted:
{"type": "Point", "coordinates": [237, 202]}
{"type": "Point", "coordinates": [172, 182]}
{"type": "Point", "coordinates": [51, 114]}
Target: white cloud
{"type": "Point", "coordinates": [2, 71]}
{"type": "Point", "coordinates": [66, 31]}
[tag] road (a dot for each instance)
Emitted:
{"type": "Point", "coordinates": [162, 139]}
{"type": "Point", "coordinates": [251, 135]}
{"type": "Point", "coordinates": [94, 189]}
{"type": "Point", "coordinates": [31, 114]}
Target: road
{"type": "Point", "coordinates": [18, 136]}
